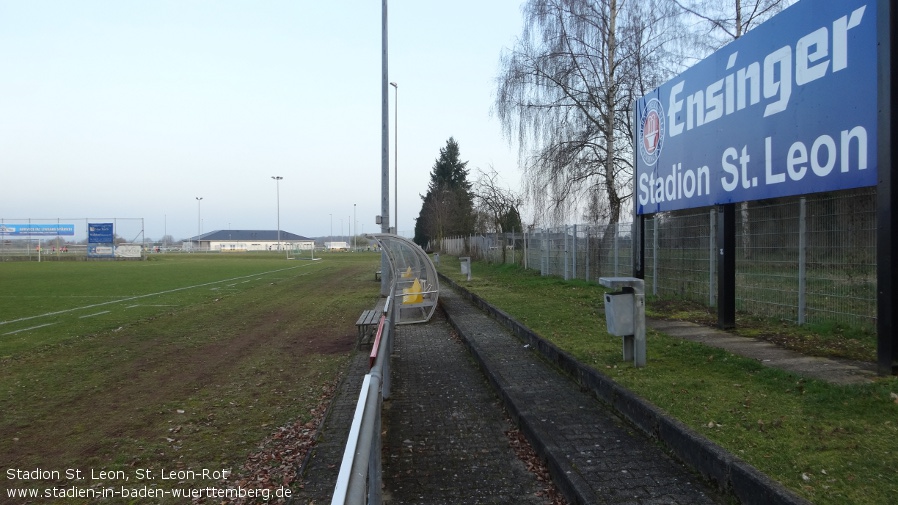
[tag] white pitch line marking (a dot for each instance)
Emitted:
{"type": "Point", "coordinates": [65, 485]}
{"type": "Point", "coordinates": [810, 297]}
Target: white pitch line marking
{"type": "Point", "coordinates": [97, 314]}
{"type": "Point", "coordinates": [138, 297]}
{"type": "Point", "coordinates": [32, 328]}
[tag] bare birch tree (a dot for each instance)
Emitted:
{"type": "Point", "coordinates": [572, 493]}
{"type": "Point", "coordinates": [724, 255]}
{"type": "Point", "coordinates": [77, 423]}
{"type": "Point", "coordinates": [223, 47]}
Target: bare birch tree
{"type": "Point", "coordinates": [565, 94]}
{"type": "Point", "coordinates": [496, 203]}
{"type": "Point", "coordinates": [721, 22]}
{"type": "Point", "coordinates": [497, 207]}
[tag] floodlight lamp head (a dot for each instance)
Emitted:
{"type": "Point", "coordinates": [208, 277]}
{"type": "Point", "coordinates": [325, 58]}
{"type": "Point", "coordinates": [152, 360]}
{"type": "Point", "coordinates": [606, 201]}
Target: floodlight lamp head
{"type": "Point", "coordinates": [394, 85]}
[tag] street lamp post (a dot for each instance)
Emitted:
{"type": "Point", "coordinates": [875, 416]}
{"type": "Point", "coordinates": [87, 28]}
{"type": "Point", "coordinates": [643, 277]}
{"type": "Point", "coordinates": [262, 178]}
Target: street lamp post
{"type": "Point", "coordinates": [199, 220]}
{"type": "Point", "coordinates": [355, 226]}
{"type": "Point", "coordinates": [277, 182]}
{"type": "Point", "coordinates": [396, 156]}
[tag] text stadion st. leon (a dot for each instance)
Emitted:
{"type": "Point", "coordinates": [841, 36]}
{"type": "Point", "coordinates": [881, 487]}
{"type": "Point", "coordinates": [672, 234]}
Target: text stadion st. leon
{"type": "Point", "coordinates": [788, 109]}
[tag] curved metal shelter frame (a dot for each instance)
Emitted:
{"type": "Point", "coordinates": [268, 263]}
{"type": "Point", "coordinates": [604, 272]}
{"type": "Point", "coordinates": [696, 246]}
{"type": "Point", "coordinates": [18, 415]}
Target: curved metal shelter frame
{"type": "Point", "coordinates": [417, 287]}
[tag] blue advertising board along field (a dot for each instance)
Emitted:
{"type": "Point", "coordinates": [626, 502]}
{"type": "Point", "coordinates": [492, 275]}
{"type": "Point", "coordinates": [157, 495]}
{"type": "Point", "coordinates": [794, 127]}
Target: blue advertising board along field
{"type": "Point", "coordinates": [100, 233]}
{"type": "Point", "coordinates": [788, 109]}
{"type": "Point", "coordinates": [28, 230]}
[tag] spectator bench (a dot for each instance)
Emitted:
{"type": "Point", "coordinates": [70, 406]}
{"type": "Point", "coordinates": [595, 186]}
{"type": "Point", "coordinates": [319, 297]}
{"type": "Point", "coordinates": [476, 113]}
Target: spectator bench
{"type": "Point", "coordinates": [367, 325]}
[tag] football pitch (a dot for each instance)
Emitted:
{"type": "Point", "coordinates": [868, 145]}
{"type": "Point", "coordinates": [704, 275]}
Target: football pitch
{"type": "Point", "coordinates": [115, 372]}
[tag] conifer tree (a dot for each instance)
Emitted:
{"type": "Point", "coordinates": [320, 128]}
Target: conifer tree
{"type": "Point", "coordinates": [448, 208]}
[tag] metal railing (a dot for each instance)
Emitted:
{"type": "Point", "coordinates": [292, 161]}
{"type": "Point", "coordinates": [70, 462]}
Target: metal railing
{"type": "Point", "coordinates": [361, 471]}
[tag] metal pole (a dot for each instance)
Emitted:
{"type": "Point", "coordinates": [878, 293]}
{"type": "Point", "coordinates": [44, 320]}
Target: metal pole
{"type": "Point", "coordinates": [567, 259]}
{"type": "Point", "coordinates": [712, 259]}
{"type": "Point", "coordinates": [199, 220]}
{"type": "Point", "coordinates": [513, 244]}
{"type": "Point", "coordinates": [656, 253]}
{"type": "Point", "coordinates": [639, 324]}
{"type": "Point", "coordinates": [277, 182]}
{"type": "Point", "coordinates": [385, 277]}
{"type": "Point", "coordinates": [396, 156]}
{"type": "Point", "coordinates": [726, 266]}
{"type": "Point", "coordinates": [588, 263]}
{"type": "Point", "coordinates": [886, 190]}
{"type": "Point", "coordinates": [802, 257]}
{"type": "Point", "coordinates": [639, 246]}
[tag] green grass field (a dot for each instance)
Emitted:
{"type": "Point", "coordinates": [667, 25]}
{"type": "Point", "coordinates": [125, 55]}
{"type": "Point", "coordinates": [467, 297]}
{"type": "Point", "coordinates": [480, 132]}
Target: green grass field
{"type": "Point", "coordinates": [203, 362]}
{"type": "Point", "coordinates": [181, 363]}
{"type": "Point", "coordinates": [831, 444]}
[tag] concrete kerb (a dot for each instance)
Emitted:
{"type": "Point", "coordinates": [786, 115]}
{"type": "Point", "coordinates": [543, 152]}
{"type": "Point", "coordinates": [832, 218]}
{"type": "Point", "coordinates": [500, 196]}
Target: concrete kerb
{"type": "Point", "coordinates": [725, 471]}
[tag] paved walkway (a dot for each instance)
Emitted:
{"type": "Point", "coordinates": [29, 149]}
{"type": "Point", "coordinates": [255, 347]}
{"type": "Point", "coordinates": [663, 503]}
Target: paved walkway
{"type": "Point", "coordinates": [454, 380]}
{"type": "Point", "coordinates": [446, 441]}
{"type": "Point", "coordinates": [593, 455]}
{"type": "Point", "coordinates": [836, 371]}
{"type": "Point", "coordinates": [445, 427]}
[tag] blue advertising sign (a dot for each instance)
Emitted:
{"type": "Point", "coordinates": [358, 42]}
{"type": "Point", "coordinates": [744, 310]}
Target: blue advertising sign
{"type": "Point", "coordinates": [100, 233]}
{"type": "Point", "coordinates": [787, 109]}
{"type": "Point", "coordinates": [23, 230]}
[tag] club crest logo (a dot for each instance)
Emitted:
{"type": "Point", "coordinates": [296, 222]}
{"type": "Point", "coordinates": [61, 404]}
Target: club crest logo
{"type": "Point", "coordinates": [651, 132]}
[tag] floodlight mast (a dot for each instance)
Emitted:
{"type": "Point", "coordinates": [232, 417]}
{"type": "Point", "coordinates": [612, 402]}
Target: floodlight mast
{"type": "Point", "coordinates": [277, 182]}
{"type": "Point", "coordinates": [396, 156]}
{"type": "Point", "coordinates": [386, 277]}
{"type": "Point", "coordinates": [199, 220]}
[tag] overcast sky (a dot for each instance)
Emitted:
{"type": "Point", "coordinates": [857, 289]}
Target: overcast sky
{"type": "Point", "coordinates": [126, 108]}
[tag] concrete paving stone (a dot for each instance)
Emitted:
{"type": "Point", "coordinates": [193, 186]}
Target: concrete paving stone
{"type": "Point", "coordinates": [570, 424]}
{"type": "Point", "coordinates": [455, 449]}
{"type": "Point", "coordinates": [685, 331]}
{"type": "Point", "coordinates": [836, 371]}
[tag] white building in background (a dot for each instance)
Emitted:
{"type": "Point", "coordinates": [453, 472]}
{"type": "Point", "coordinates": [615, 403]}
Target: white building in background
{"type": "Point", "coordinates": [249, 240]}
{"type": "Point", "coordinates": [336, 246]}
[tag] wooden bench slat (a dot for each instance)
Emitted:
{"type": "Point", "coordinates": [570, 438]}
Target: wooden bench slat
{"type": "Point", "coordinates": [366, 324]}
{"type": "Point", "coordinates": [365, 317]}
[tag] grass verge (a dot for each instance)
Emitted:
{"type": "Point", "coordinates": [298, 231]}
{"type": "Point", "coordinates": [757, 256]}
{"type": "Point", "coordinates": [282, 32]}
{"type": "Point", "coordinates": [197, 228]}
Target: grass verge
{"type": "Point", "coordinates": [830, 444]}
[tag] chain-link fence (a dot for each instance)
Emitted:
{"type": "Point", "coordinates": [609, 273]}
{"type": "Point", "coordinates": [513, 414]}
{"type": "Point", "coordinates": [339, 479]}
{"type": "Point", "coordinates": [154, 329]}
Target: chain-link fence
{"type": "Point", "coordinates": [806, 259]}
{"type": "Point", "coordinates": [68, 238]}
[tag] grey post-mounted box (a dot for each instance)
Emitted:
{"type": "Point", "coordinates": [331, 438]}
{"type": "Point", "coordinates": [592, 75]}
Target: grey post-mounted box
{"type": "Point", "coordinates": [625, 315]}
{"type": "Point", "coordinates": [466, 266]}
{"type": "Point", "coordinates": [619, 313]}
